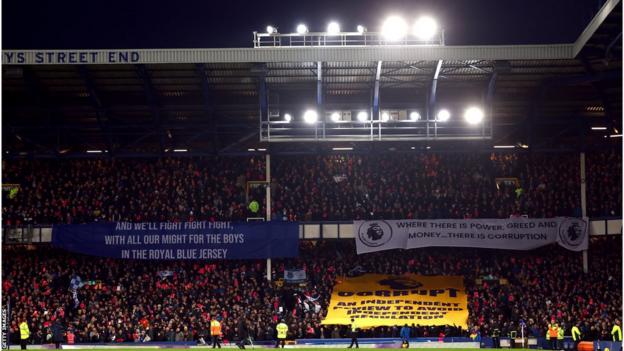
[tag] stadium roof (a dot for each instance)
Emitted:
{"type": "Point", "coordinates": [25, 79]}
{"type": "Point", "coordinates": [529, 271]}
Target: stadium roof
{"type": "Point", "coordinates": [61, 103]}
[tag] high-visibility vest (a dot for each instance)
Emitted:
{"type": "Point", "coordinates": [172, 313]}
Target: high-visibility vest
{"type": "Point", "coordinates": [576, 333]}
{"type": "Point", "coordinates": [215, 328]}
{"type": "Point", "coordinates": [70, 338]}
{"type": "Point", "coordinates": [282, 330]}
{"type": "Point", "coordinates": [354, 327]}
{"type": "Point", "coordinates": [560, 333]}
{"type": "Point", "coordinates": [553, 331]}
{"type": "Point", "coordinates": [24, 331]}
{"type": "Point", "coordinates": [617, 333]}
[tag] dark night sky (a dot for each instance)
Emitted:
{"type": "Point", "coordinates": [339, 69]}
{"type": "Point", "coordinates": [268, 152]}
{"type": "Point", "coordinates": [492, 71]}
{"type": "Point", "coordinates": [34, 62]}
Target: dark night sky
{"type": "Point", "coordinates": [94, 24]}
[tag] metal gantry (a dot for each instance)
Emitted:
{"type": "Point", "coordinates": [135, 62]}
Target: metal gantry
{"type": "Point", "coordinates": [343, 39]}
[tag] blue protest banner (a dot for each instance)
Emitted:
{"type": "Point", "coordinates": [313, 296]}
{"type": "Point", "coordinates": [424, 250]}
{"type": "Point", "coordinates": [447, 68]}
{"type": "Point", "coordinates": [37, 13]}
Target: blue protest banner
{"type": "Point", "coordinates": [180, 241]}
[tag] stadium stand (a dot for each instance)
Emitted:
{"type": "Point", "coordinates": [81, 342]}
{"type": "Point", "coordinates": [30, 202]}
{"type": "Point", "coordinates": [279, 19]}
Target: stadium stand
{"type": "Point", "coordinates": [174, 301]}
{"type": "Point", "coordinates": [335, 187]}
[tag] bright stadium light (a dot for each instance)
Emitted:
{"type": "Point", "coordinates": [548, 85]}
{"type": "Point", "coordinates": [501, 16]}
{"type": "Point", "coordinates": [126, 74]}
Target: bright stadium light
{"type": "Point", "coordinates": [287, 118]}
{"type": "Point", "coordinates": [362, 116]}
{"type": "Point", "coordinates": [271, 30]}
{"type": "Point", "coordinates": [333, 28]}
{"type": "Point", "coordinates": [335, 117]}
{"type": "Point", "coordinates": [414, 116]}
{"type": "Point", "coordinates": [394, 28]}
{"type": "Point", "coordinates": [361, 29]}
{"type": "Point", "coordinates": [425, 28]}
{"type": "Point", "coordinates": [342, 148]}
{"type": "Point", "coordinates": [310, 116]}
{"type": "Point", "coordinates": [473, 115]}
{"type": "Point", "coordinates": [443, 115]}
{"type": "Point", "coordinates": [302, 29]}
{"type": "Point", "coordinates": [385, 116]}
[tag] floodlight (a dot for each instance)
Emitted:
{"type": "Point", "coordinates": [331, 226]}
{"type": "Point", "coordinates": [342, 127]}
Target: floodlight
{"type": "Point", "coordinates": [361, 29]}
{"type": "Point", "coordinates": [333, 28]}
{"type": "Point", "coordinates": [394, 28]}
{"type": "Point", "coordinates": [362, 116]}
{"type": "Point", "coordinates": [271, 30]}
{"type": "Point", "coordinates": [473, 115]}
{"type": "Point", "coordinates": [425, 28]}
{"type": "Point", "coordinates": [302, 29]}
{"type": "Point", "coordinates": [443, 115]}
{"type": "Point", "coordinates": [414, 116]}
{"type": "Point", "coordinates": [335, 117]}
{"type": "Point", "coordinates": [385, 116]}
{"type": "Point", "coordinates": [287, 118]}
{"type": "Point", "coordinates": [310, 116]}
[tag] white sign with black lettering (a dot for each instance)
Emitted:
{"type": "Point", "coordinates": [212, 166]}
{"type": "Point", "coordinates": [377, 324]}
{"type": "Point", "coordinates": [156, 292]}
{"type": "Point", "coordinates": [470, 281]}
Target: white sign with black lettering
{"type": "Point", "coordinates": [509, 234]}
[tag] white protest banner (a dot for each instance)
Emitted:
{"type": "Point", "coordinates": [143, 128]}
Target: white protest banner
{"type": "Point", "coordinates": [294, 275]}
{"type": "Point", "coordinates": [508, 234]}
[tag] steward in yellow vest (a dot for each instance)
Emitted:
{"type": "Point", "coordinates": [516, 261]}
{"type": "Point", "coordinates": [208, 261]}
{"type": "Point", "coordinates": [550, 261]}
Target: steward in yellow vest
{"type": "Point", "coordinates": [215, 332]}
{"type": "Point", "coordinates": [24, 334]}
{"type": "Point", "coordinates": [282, 333]}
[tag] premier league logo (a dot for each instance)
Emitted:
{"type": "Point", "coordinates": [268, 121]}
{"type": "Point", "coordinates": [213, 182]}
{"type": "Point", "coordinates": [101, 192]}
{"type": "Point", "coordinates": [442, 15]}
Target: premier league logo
{"type": "Point", "coordinates": [572, 232]}
{"type": "Point", "coordinates": [374, 234]}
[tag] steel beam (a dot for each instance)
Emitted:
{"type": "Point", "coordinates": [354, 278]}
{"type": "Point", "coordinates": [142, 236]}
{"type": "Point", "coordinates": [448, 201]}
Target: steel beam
{"type": "Point", "coordinates": [611, 45]}
{"type": "Point", "coordinates": [434, 87]}
{"type": "Point", "coordinates": [376, 92]}
{"type": "Point", "coordinates": [320, 98]}
{"type": "Point", "coordinates": [593, 26]}
{"type": "Point", "coordinates": [96, 101]}
{"type": "Point", "coordinates": [152, 101]}
{"type": "Point", "coordinates": [208, 100]}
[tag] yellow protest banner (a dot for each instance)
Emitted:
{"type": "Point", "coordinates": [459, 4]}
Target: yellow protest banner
{"type": "Point", "coordinates": [385, 300]}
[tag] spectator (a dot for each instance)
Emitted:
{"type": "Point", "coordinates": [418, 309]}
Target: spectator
{"type": "Point", "coordinates": [122, 296]}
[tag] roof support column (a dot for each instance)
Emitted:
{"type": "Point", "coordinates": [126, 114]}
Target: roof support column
{"type": "Point", "coordinates": [263, 104]}
{"type": "Point", "coordinates": [375, 114]}
{"type": "Point", "coordinates": [434, 87]}
{"type": "Point", "coordinates": [99, 106]}
{"type": "Point", "coordinates": [208, 100]}
{"type": "Point", "coordinates": [320, 101]}
{"type": "Point", "coordinates": [432, 98]}
{"type": "Point", "coordinates": [150, 94]}
{"type": "Point", "coordinates": [489, 97]}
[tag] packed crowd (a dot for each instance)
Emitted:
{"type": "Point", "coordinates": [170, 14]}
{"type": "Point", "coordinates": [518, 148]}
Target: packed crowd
{"type": "Point", "coordinates": [334, 187]}
{"type": "Point", "coordinates": [428, 186]}
{"type": "Point", "coordinates": [107, 300]}
{"type": "Point", "coordinates": [170, 189]}
{"type": "Point", "coordinates": [604, 185]}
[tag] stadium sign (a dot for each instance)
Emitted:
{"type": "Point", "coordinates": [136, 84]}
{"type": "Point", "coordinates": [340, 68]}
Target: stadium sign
{"type": "Point", "coordinates": [375, 300]}
{"type": "Point", "coordinates": [57, 57]}
{"type": "Point", "coordinates": [181, 240]}
{"type": "Point", "coordinates": [510, 234]}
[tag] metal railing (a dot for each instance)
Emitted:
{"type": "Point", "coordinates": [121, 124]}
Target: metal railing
{"type": "Point", "coordinates": [375, 130]}
{"type": "Point", "coordinates": [355, 39]}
